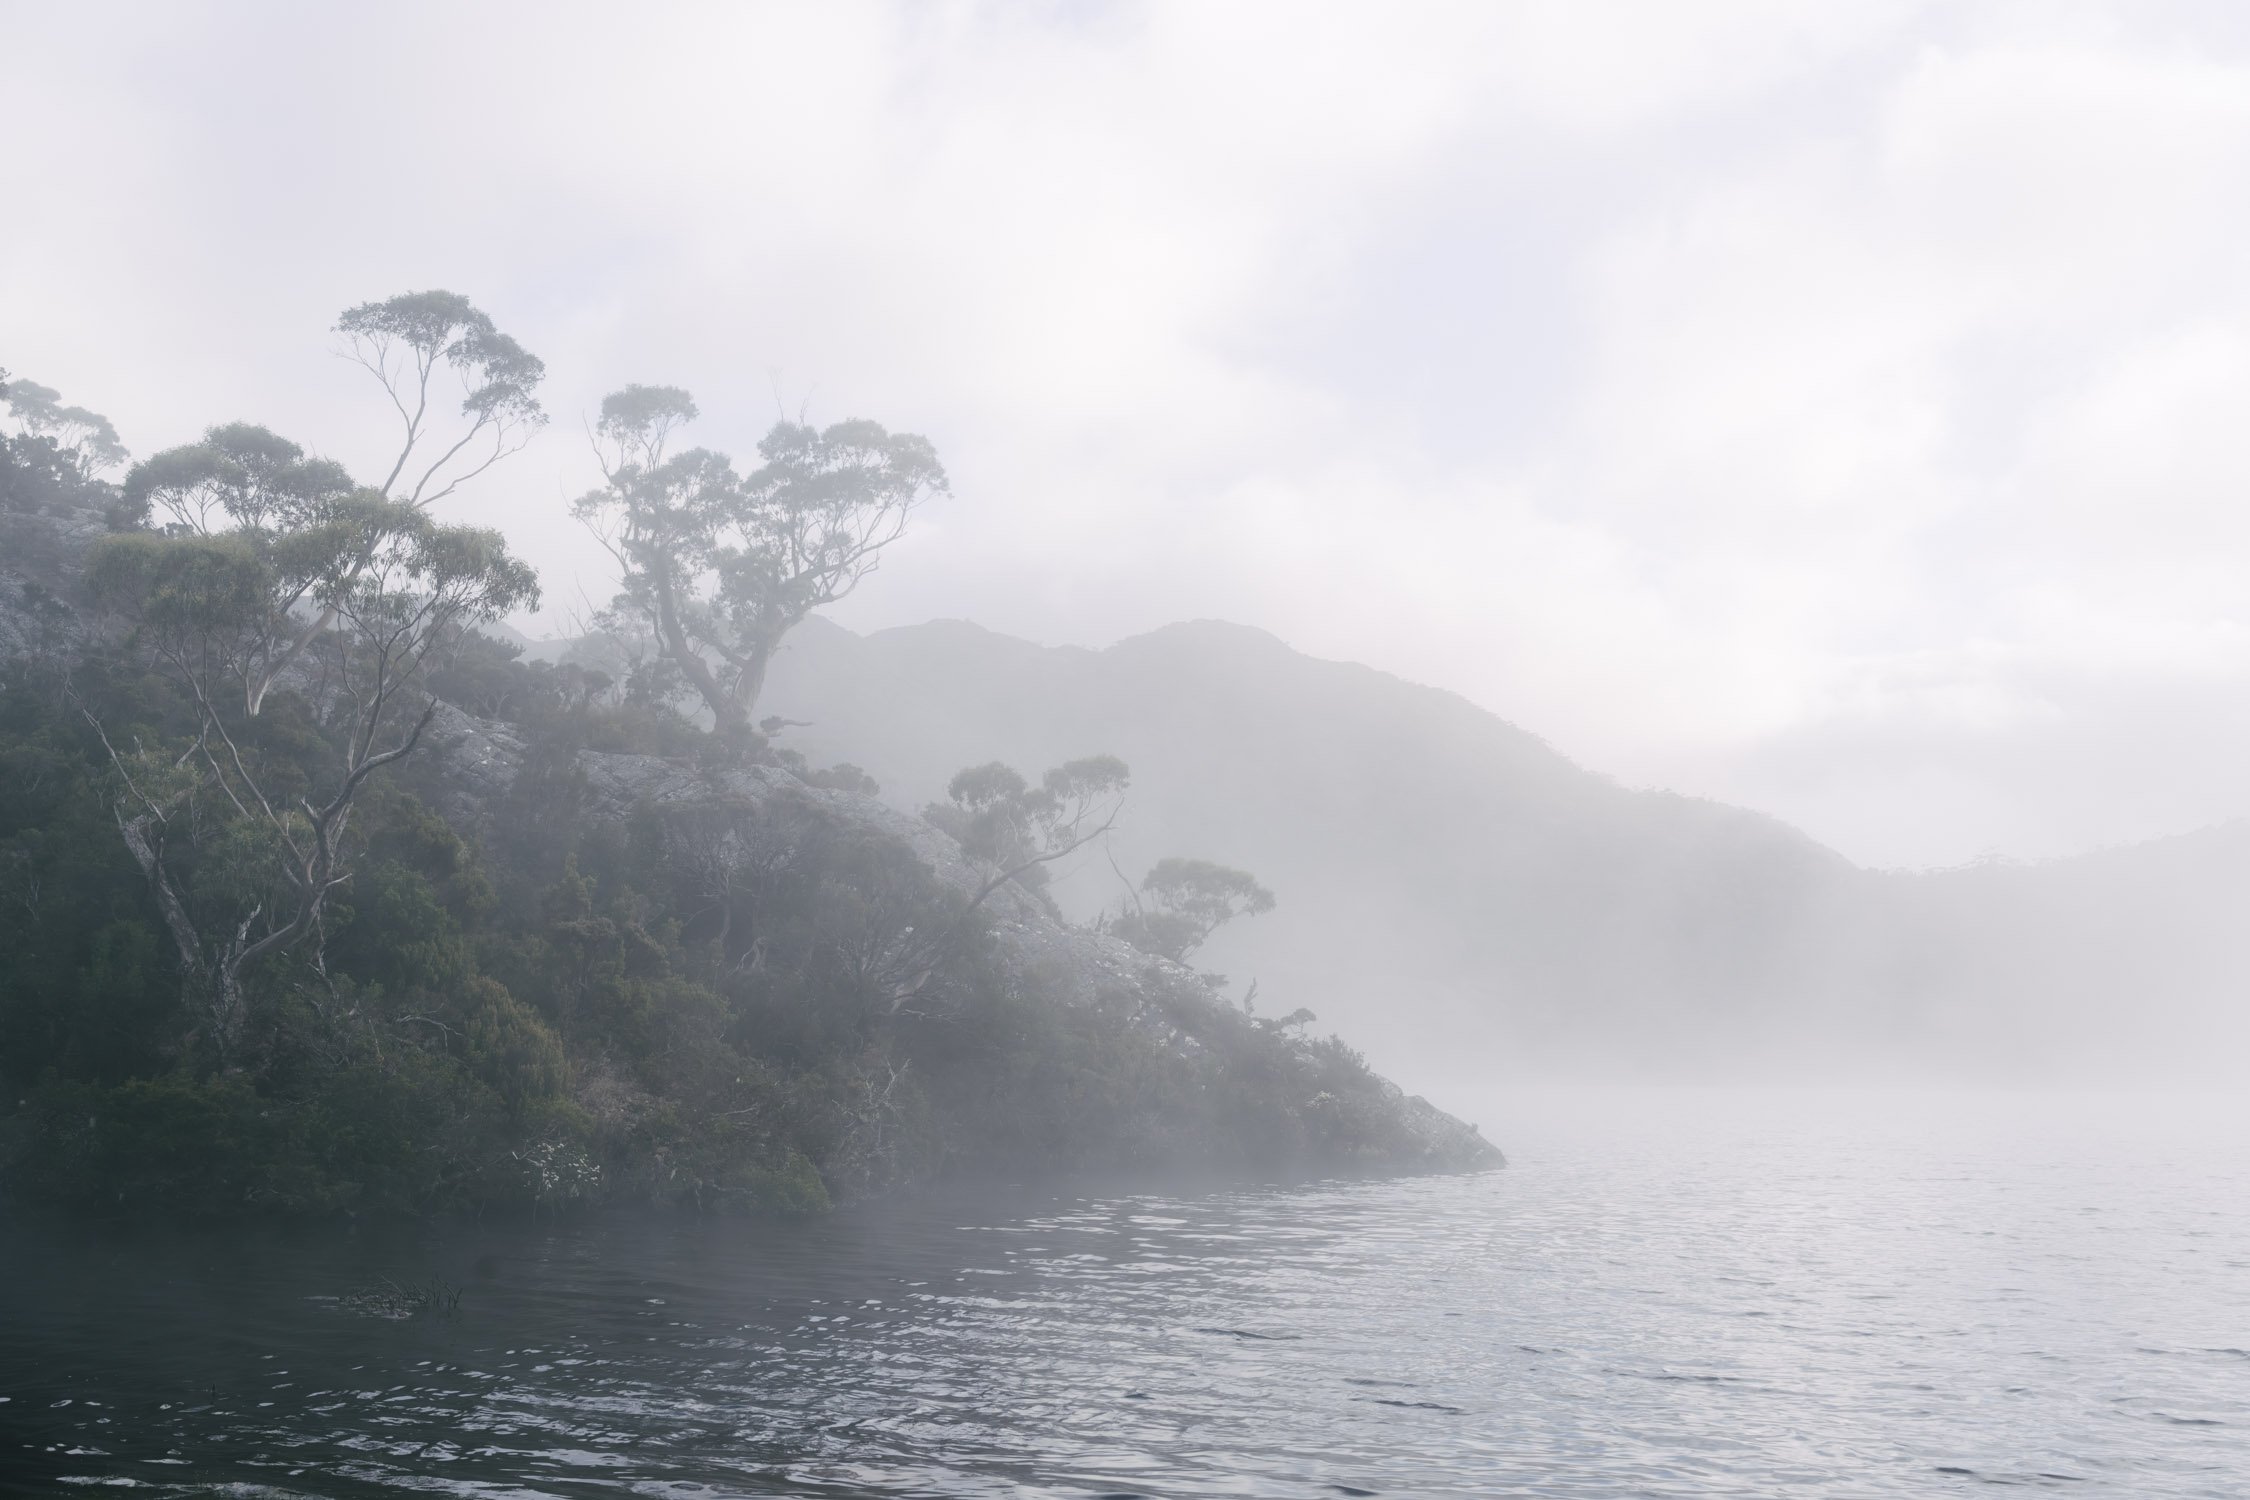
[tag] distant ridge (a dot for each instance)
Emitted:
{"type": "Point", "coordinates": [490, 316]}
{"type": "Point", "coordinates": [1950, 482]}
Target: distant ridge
{"type": "Point", "coordinates": [1462, 896]}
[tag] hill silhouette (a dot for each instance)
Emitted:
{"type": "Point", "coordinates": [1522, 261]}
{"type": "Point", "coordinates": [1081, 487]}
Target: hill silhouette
{"type": "Point", "coordinates": [1462, 899]}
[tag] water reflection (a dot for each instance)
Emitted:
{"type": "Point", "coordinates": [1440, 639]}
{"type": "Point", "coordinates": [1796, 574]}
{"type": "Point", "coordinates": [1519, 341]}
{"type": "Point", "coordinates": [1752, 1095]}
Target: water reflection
{"type": "Point", "coordinates": [1758, 1302]}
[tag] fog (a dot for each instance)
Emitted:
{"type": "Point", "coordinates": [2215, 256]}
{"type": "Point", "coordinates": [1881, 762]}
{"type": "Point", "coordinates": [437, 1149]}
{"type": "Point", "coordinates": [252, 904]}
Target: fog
{"type": "Point", "coordinates": [1135, 748]}
{"type": "Point", "coordinates": [1832, 413]}
{"type": "Point", "coordinates": [1470, 907]}
{"type": "Point", "coordinates": [1828, 410]}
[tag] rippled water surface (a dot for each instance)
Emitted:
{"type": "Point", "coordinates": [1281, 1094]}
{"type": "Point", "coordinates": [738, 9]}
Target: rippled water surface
{"type": "Point", "coordinates": [1663, 1294]}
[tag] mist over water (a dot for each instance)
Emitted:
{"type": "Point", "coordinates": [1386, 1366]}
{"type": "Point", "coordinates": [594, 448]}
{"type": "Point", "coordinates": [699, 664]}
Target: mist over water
{"type": "Point", "coordinates": [1667, 1293]}
{"type": "Point", "coordinates": [874, 749]}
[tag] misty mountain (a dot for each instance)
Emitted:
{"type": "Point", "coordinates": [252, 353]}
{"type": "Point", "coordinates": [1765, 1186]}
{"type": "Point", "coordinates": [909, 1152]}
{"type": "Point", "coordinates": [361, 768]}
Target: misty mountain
{"type": "Point", "coordinates": [1462, 898]}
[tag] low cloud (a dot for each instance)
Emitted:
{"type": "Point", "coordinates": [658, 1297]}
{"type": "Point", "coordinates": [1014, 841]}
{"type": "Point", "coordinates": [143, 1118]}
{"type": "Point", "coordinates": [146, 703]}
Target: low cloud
{"type": "Point", "coordinates": [1834, 409]}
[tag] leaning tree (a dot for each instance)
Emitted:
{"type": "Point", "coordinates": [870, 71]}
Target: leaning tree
{"type": "Point", "coordinates": [721, 566]}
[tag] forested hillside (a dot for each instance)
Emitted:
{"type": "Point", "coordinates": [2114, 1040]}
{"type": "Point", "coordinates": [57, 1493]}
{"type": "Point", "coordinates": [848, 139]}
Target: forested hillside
{"type": "Point", "coordinates": [319, 899]}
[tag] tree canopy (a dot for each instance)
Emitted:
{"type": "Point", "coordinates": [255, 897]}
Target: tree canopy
{"type": "Point", "coordinates": [84, 439]}
{"type": "Point", "coordinates": [308, 526]}
{"type": "Point", "coordinates": [265, 560]}
{"type": "Point", "coordinates": [1182, 902]}
{"type": "Point", "coordinates": [263, 950]}
{"type": "Point", "coordinates": [211, 606]}
{"type": "Point", "coordinates": [408, 342]}
{"type": "Point", "coordinates": [721, 566]}
{"type": "Point", "coordinates": [1017, 828]}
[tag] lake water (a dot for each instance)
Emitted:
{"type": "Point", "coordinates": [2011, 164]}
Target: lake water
{"type": "Point", "coordinates": [1664, 1294]}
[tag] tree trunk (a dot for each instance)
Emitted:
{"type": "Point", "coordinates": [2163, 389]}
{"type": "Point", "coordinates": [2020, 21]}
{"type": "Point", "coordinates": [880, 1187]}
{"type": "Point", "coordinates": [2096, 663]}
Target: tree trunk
{"type": "Point", "coordinates": [725, 713]}
{"type": "Point", "coordinates": [748, 684]}
{"type": "Point", "coordinates": [212, 990]}
{"type": "Point", "coordinates": [730, 718]}
{"type": "Point", "coordinates": [144, 849]}
{"type": "Point", "coordinates": [229, 1009]}
{"type": "Point", "coordinates": [256, 685]}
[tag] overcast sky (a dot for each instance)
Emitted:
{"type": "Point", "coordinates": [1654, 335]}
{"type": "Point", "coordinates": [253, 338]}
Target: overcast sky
{"type": "Point", "coordinates": [1838, 409]}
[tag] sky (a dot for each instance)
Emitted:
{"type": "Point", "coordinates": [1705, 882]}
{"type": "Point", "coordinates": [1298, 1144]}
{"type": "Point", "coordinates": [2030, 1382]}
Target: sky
{"type": "Point", "coordinates": [1837, 409]}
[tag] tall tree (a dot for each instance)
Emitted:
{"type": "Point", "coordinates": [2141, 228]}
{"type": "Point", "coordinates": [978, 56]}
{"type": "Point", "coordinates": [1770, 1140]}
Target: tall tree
{"type": "Point", "coordinates": [241, 848]}
{"type": "Point", "coordinates": [409, 342]}
{"type": "Point", "coordinates": [722, 566]}
{"type": "Point", "coordinates": [246, 482]}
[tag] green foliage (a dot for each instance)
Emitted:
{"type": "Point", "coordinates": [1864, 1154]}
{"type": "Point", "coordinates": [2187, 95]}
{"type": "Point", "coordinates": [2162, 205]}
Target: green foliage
{"type": "Point", "coordinates": [271, 561]}
{"type": "Point", "coordinates": [445, 328]}
{"type": "Point", "coordinates": [258, 955]}
{"type": "Point", "coordinates": [569, 706]}
{"type": "Point", "coordinates": [179, 586]}
{"type": "Point", "coordinates": [509, 1046]}
{"type": "Point", "coordinates": [385, 1138]}
{"type": "Point", "coordinates": [841, 777]}
{"type": "Point", "coordinates": [84, 981]}
{"type": "Point", "coordinates": [239, 477]}
{"type": "Point", "coordinates": [735, 1003]}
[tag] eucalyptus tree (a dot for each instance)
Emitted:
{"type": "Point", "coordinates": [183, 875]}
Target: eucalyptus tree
{"type": "Point", "coordinates": [1182, 902]}
{"type": "Point", "coordinates": [416, 340]}
{"type": "Point", "coordinates": [242, 844]}
{"type": "Point", "coordinates": [290, 521]}
{"type": "Point", "coordinates": [723, 566]}
{"type": "Point", "coordinates": [84, 441]}
{"type": "Point", "coordinates": [1016, 829]}
{"type": "Point", "coordinates": [1013, 830]}
{"type": "Point", "coordinates": [244, 480]}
